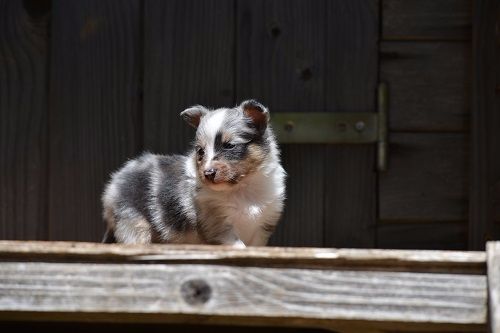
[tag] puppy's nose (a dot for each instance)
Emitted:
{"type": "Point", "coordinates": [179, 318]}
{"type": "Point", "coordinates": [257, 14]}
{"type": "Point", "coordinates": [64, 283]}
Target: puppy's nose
{"type": "Point", "coordinates": [210, 173]}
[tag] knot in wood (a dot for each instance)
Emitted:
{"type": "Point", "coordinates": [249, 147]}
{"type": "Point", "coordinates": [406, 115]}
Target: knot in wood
{"type": "Point", "coordinates": [275, 31]}
{"type": "Point", "coordinates": [196, 292]}
{"type": "Point", "coordinates": [305, 74]}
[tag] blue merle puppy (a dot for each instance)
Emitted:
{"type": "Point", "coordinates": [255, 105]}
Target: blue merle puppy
{"type": "Point", "coordinates": [229, 189]}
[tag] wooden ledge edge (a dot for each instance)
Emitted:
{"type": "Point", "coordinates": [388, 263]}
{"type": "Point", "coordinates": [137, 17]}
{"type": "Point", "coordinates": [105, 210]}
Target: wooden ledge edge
{"type": "Point", "coordinates": [399, 260]}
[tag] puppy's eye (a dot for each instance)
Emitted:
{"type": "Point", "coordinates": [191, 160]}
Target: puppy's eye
{"type": "Point", "coordinates": [200, 151]}
{"type": "Point", "coordinates": [227, 145]}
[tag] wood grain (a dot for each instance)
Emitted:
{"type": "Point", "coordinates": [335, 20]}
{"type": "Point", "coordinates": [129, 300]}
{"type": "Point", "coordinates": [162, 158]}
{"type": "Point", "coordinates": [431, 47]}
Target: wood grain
{"type": "Point", "coordinates": [352, 75]}
{"type": "Point", "coordinates": [280, 62]}
{"type": "Point", "coordinates": [426, 19]}
{"type": "Point", "coordinates": [95, 121]}
{"type": "Point", "coordinates": [493, 257]}
{"type": "Point", "coordinates": [372, 259]}
{"type": "Point", "coordinates": [428, 85]}
{"type": "Point", "coordinates": [423, 235]}
{"type": "Point", "coordinates": [484, 194]}
{"type": "Point", "coordinates": [23, 119]}
{"type": "Point", "coordinates": [427, 179]}
{"type": "Point", "coordinates": [188, 59]}
{"type": "Point", "coordinates": [236, 295]}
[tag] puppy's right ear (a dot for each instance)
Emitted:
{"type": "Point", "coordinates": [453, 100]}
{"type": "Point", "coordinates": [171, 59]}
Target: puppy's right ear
{"type": "Point", "coordinates": [193, 115]}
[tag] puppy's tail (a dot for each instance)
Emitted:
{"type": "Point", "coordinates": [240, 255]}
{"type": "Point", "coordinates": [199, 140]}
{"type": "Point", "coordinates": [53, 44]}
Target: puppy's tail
{"type": "Point", "coordinates": [108, 237]}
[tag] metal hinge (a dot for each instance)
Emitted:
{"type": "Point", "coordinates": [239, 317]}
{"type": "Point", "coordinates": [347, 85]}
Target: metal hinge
{"type": "Point", "coordinates": [337, 127]}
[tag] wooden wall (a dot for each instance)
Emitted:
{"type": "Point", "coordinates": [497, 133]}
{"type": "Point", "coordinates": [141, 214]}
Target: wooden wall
{"type": "Point", "coordinates": [86, 85]}
{"type": "Point", "coordinates": [425, 59]}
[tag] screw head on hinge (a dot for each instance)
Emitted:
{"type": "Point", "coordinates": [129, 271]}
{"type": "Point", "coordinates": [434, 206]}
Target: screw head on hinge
{"type": "Point", "coordinates": [360, 126]}
{"type": "Point", "coordinates": [289, 126]}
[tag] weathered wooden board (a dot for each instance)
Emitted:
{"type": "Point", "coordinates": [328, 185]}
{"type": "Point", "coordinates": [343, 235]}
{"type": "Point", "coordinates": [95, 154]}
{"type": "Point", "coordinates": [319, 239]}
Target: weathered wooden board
{"type": "Point", "coordinates": [351, 72]}
{"type": "Point", "coordinates": [423, 235]}
{"type": "Point", "coordinates": [95, 121]}
{"type": "Point", "coordinates": [280, 61]}
{"type": "Point", "coordinates": [372, 259]}
{"type": "Point", "coordinates": [188, 59]}
{"type": "Point", "coordinates": [428, 85]}
{"type": "Point", "coordinates": [426, 19]}
{"type": "Point", "coordinates": [493, 260]}
{"type": "Point", "coordinates": [484, 207]}
{"type": "Point", "coordinates": [242, 295]}
{"type": "Point", "coordinates": [23, 119]}
{"type": "Point", "coordinates": [426, 179]}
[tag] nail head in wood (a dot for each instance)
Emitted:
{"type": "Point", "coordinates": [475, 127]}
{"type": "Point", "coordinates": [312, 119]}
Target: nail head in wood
{"type": "Point", "coordinates": [275, 31]}
{"type": "Point", "coordinates": [305, 74]}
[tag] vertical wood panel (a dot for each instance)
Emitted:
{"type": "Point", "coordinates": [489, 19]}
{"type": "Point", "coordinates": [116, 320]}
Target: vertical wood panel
{"type": "Point", "coordinates": [427, 179]}
{"type": "Point", "coordinates": [189, 59]}
{"type": "Point", "coordinates": [23, 118]}
{"type": "Point", "coordinates": [484, 214]}
{"type": "Point", "coordinates": [95, 109]}
{"type": "Point", "coordinates": [351, 71]}
{"type": "Point", "coordinates": [280, 62]}
{"type": "Point", "coordinates": [423, 236]}
{"type": "Point", "coordinates": [429, 85]}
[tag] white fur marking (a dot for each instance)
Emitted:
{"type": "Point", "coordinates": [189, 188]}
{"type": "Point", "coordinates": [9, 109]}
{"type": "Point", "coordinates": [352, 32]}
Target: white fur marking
{"type": "Point", "coordinates": [210, 125]}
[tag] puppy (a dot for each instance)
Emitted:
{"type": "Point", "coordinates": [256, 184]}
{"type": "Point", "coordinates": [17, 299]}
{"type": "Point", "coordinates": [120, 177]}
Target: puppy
{"type": "Point", "coordinates": [229, 189]}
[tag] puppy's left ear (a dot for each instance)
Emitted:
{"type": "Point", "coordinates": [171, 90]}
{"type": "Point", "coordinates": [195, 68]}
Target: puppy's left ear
{"type": "Point", "coordinates": [193, 115]}
{"type": "Point", "coordinates": [258, 114]}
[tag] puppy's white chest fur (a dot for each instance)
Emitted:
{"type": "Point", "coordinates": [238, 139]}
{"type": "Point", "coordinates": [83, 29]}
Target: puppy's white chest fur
{"type": "Point", "coordinates": [253, 206]}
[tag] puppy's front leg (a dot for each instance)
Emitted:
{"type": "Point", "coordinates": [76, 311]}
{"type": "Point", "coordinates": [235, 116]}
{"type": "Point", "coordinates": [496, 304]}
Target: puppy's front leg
{"type": "Point", "coordinates": [230, 238]}
{"type": "Point", "coordinates": [216, 231]}
{"type": "Point", "coordinates": [262, 235]}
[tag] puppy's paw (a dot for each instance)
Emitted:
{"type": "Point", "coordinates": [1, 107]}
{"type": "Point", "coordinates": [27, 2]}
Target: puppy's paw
{"type": "Point", "coordinates": [238, 244]}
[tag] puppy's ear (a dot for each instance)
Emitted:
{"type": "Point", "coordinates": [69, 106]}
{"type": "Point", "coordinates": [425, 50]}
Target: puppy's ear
{"type": "Point", "coordinates": [193, 115]}
{"type": "Point", "coordinates": [257, 113]}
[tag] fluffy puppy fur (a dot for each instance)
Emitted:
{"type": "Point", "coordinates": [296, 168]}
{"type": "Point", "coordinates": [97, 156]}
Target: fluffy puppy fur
{"type": "Point", "coordinates": [229, 189]}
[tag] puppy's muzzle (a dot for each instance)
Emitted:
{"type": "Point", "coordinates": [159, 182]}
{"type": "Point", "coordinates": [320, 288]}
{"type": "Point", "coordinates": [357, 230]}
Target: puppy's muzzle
{"type": "Point", "coordinates": [210, 174]}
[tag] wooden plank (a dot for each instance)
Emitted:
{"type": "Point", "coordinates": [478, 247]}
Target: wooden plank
{"type": "Point", "coordinates": [95, 121]}
{"type": "Point", "coordinates": [243, 295]}
{"type": "Point", "coordinates": [426, 235]}
{"type": "Point", "coordinates": [484, 195]}
{"type": "Point", "coordinates": [23, 119]}
{"type": "Point", "coordinates": [493, 257]}
{"type": "Point", "coordinates": [427, 178]}
{"type": "Point", "coordinates": [280, 62]}
{"type": "Point", "coordinates": [426, 19]}
{"type": "Point", "coordinates": [372, 259]}
{"type": "Point", "coordinates": [188, 59]}
{"type": "Point", "coordinates": [352, 70]}
{"type": "Point", "coordinates": [428, 85]}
